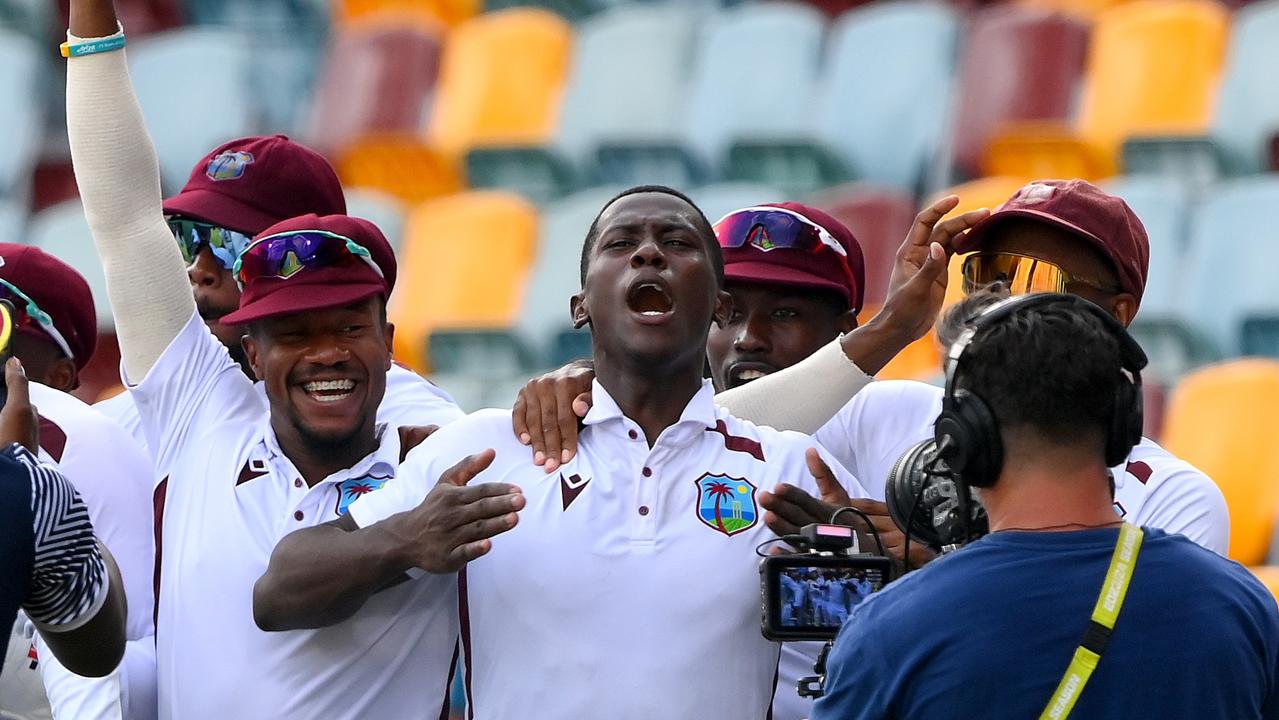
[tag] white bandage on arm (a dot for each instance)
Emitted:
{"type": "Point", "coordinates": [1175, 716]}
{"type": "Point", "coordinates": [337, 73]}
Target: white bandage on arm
{"type": "Point", "coordinates": [119, 179]}
{"type": "Point", "coordinates": [802, 397]}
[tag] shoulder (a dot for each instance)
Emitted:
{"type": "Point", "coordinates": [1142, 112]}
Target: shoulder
{"type": "Point", "coordinates": [84, 425]}
{"type": "Point", "coordinates": [1154, 466]}
{"type": "Point", "coordinates": [1188, 559]}
{"type": "Point", "coordinates": [483, 429]}
{"type": "Point", "coordinates": [744, 435]}
{"type": "Point", "coordinates": [407, 389]}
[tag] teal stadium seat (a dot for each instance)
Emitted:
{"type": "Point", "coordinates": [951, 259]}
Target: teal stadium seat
{"type": "Point", "coordinates": [63, 231]}
{"type": "Point", "coordinates": [750, 99]}
{"type": "Point", "coordinates": [720, 199]}
{"type": "Point", "coordinates": [28, 17]}
{"type": "Point", "coordinates": [22, 120]}
{"type": "Point", "coordinates": [623, 104]}
{"type": "Point", "coordinates": [193, 85]}
{"type": "Point", "coordinates": [13, 222]}
{"type": "Point", "coordinates": [1247, 114]}
{"type": "Point", "coordinates": [1163, 324]}
{"type": "Point", "coordinates": [883, 100]}
{"type": "Point", "coordinates": [1234, 251]}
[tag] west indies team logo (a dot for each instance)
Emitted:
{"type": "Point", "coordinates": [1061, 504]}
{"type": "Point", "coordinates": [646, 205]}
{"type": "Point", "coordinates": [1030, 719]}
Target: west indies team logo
{"type": "Point", "coordinates": [290, 265]}
{"type": "Point", "coordinates": [726, 504]}
{"type": "Point", "coordinates": [229, 165]}
{"type": "Point", "coordinates": [352, 489]}
{"type": "Point", "coordinates": [760, 239]}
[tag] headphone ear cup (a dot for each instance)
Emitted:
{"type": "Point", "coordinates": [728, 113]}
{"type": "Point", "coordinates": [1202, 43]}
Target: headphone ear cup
{"type": "Point", "coordinates": [1126, 425]}
{"type": "Point", "coordinates": [975, 452]}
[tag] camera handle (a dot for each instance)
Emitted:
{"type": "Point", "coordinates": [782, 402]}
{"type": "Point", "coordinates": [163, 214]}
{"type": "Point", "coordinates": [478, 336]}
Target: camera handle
{"type": "Point", "coordinates": [814, 686]}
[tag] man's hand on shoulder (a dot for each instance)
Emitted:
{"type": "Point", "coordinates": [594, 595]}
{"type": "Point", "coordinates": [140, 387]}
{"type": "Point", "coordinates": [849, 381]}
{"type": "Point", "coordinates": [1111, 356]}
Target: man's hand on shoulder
{"type": "Point", "coordinates": [547, 412]}
{"type": "Point", "coordinates": [454, 524]}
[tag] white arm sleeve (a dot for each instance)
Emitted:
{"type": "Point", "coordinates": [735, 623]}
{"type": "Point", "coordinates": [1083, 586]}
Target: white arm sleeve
{"type": "Point", "coordinates": [119, 179]}
{"type": "Point", "coordinates": [802, 397]}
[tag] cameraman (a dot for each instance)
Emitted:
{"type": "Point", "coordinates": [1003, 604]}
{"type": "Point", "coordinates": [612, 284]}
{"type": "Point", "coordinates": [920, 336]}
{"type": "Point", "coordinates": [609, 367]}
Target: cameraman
{"type": "Point", "coordinates": [998, 628]}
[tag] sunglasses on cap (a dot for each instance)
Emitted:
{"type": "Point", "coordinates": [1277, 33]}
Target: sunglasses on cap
{"type": "Point", "coordinates": [1023, 274]}
{"type": "Point", "coordinates": [770, 228]}
{"type": "Point", "coordinates": [284, 254]}
{"type": "Point", "coordinates": [226, 245]}
{"type": "Point", "coordinates": [27, 312]}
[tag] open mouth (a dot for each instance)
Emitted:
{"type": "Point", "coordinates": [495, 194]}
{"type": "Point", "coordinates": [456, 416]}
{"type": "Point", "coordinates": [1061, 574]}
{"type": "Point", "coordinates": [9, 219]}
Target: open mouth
{"type": "Point", "coordinates": [327, 391]}
{"type": "Point", "coordinates": [650, 300]}
{"type": "Point", "coordinates": [744, 372]}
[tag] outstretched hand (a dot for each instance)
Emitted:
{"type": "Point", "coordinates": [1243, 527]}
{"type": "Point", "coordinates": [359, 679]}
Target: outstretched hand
{"type": "Point", "coordinates": [547, 412]}
{"type": "Point", "coordinates": [19, 422]}
{"type": "Point", "coordinates": [454, 524]}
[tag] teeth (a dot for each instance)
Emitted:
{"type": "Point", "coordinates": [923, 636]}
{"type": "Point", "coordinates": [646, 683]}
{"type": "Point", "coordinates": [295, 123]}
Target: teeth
{"type": "Point", "coordinates": [331, 398]}
{"type": "Point", "coordinates": [750, 375]}
{"type": "Point", "coordinates": [651, 313]}
{"type": "Point", "coordinates": [328, 385]}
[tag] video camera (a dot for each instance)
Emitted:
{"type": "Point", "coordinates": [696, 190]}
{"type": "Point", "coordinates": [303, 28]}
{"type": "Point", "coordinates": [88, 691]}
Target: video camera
{"type": "Point", "coordinates": [808, 594]}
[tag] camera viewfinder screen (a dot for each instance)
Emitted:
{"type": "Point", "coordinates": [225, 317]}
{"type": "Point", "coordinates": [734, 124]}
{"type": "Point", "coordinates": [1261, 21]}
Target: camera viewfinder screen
{"type": "Point", "coordinates": [821, 597]}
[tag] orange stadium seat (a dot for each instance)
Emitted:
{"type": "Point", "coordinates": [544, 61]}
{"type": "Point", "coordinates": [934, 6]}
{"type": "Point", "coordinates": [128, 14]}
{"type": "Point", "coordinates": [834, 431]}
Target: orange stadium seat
{"type": "Point", "coordinates": [376, 79]}
{"type": "Point", "coordinates": [450, 12]}
{"type": "Point", "coordinates": [1222, 420]}
{"type": "Point", "coordinates": [500, 81]}
{"type": "Point", "coordinates": [1269, 576]}
{"type": "Point", "coordinates": [463, 266]}
{"type": "Point", "coordinates": [399, 165]}
{"type": "Point", "coordinates": [1152, 72]}
{"type": "Point", "coordinates": [1019, 64]}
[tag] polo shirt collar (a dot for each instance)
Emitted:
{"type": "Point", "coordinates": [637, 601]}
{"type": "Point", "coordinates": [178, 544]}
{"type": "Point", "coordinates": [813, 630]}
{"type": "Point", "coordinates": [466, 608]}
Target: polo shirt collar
{"type": "Point", "coordinates": [699, 411]}
{"type": "Point", "coordinates": [382, 462]}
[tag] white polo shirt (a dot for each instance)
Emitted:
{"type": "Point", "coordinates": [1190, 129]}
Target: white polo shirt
{"type": "Point", "coordinates": [231, 495]}
{"type": "Point", "coordinates": [630, 587]}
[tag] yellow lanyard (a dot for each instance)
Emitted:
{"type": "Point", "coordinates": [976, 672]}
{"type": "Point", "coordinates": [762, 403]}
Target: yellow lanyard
{"type": "Point", "coordinates": [1104, 614]}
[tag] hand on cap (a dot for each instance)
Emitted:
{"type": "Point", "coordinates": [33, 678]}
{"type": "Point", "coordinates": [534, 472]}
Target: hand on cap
{"type": "Point", "coordinates": [19, 422]}
{"type": "Point", "coordinates": [548, 409]}
{"type": "Point", "coordinates": [454, 523]}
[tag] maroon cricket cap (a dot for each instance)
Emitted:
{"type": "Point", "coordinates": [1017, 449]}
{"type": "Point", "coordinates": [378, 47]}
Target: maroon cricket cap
{"type": "Point", "coordinates": [59, 290]}
{"type": "Point", "coordinates": [251, 183]}
{"type": "Point", "coordinates": [1079, 207]}
{"type": "Point", "coordinates": [845, 275]}
{"type": "Point", "coordinates": [323, 287]}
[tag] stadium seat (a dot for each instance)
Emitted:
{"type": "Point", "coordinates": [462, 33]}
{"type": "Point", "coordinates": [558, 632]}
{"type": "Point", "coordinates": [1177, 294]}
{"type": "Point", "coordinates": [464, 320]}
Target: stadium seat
{"type": "Point", "coordinates": [1162, 325]}
{"type": "Point", "coordinates": [463, 267]}
{"type": "Point", "coordinates": [1234, 248]}
{"type": "Point", "coordinates": [187, 118]}
{"type": "Point", "coordinates": [1154, 401]}
{"type": "Point", "coordinates": [27, 17]}
{"type": "Point", "coordinates": [450, 12]}
{"type": "Point", "coordinates": [750, 112]}
{"type": "Point", "coordinates": [650, 47]}
{"type": "Point", "coordinates": [1084, 10]}
{"type": "Point", "coordinates": [498, 98]}
{"type": "Point", "coordinates": [402, 166]}
{"type": "Point", "coordinates": [720, 199]}
{"type": "Point", "coordinates": [1247, 106]}
{"type": "Point", "coordinates": [500, 84]}
{"type": "Point", "coordinates": [377, 78]}
{"type": "Point", "coordinates": [63, 231]}
{"type": "Point", "coordinates": [1018, 64]}
{"type": "Point", "coordinates": [554, 277]}
{"type": "Point", "coordinates": [381, 209]}
{"type": "Point", "coordinates": [879, 218]}
{"type": "Point", "coordinates": [1269, 576]}
{"type": "Point", "coordinates": [22, 122]}
{"type": "Point", "coordinates": [884, 97]}
{"type": "Point", "coordinates": [1221, 419]}
{"type": "Point", "coordinates": [13, 222]}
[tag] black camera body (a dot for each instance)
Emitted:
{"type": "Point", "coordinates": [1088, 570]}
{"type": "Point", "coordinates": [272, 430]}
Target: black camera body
{"type": "Point", "coordinates": [809, 594]}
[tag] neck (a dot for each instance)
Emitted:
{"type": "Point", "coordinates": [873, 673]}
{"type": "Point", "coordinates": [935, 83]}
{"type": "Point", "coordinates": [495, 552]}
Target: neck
{"type": "Point", "coordinates": [653, 396]}
{"type": "Point", "coordinates": [316, 459]}
{"type": "Point", "coordinates": [1051, 488]}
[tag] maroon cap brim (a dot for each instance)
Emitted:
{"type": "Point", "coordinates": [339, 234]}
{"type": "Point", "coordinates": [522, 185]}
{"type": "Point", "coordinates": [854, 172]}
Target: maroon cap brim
{"type": "Point", "coordinates": [303, 297]}
{"type": "Point", "coordinates": [218, 209]}
{"type": "Point", "coordinates": [972, 240]}
{"type": "Point", "coordinates": [762, 271]}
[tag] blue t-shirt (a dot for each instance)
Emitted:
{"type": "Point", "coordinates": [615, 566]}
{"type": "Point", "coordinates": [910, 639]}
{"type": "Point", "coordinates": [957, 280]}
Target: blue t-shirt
{"type": "Point", "coordinates": [990, 630]}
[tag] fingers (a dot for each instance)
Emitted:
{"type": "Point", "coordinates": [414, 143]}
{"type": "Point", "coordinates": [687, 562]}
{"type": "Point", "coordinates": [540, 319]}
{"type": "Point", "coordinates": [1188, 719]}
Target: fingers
{"type": "Point", "coordinates": [922, 229]}
{"type": "Point", "coordinates": [779, 526]}
{"type": "Point", "coordinates": [464, 554]}
{"type": "Point", "coordinates": [485, 529]}
{"type": "Point", "coordinates": [467, 468]}
{"type": "Point", "coordinates": [519, 419]}
{"type": "Point", "coordinates": [795, 507]}
{"type": "Point", "coordinates": [832, 492]}
{"type": "Point", "coordinates": [15, 379]}
{"type": "Point", "coordinates": [565, 445]}
{"type": "Point", "coordinates": [550, 426]}
{"type": "Point", "coordinates": [582, 405]}
{"type": "Point", "coordinates": [945, 232]}
{"type": "Point", "coordinates": [498, 500]}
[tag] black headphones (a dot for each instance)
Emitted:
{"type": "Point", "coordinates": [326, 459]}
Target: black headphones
{"type": "Point", "coordinates": [966, 431]}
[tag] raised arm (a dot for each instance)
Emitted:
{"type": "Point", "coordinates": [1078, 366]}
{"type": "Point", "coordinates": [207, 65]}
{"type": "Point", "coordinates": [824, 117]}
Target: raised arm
{"type": "Point", "coordinates": [119, 179]}
{"type": "Point", "coordinates": [323, 575]}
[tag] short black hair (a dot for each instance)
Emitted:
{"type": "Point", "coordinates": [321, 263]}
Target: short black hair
{"type": "Point", "coordinates": [704, 228]}
{"type": "Point", "coordinates": [1051, 369]}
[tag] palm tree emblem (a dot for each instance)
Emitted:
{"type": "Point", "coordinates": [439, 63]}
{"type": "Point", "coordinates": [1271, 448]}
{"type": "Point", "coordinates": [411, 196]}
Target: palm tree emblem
{"type": "Point", "coordinates": [719, 491]}
{"type": "Point", "coordinates": [726, 504]}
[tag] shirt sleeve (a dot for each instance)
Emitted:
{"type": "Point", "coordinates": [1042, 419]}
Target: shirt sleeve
{"type": "Point", "coordinates": [192, 386]}
{"type": "Point", "coordinates": [69, 577]}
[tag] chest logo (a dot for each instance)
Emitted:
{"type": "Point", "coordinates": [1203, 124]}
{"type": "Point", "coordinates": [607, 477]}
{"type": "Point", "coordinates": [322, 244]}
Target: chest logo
{"type": "Point", "coordinates": [353, 489]}
{"type": "Point", "coordinates": [726, 504]}
{"type": "Point", "coordinates": [571, 487]}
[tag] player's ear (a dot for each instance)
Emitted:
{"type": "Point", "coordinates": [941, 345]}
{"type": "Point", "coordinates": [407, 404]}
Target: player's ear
{"type": "Point", "coordinates": [847, 322]}
{"type": "Point", "coordinates": [1124, 307]}
{"type": "Point", "coordinates": [388, 334]}
{"type": "Point", "coordinates": [723, 308]}
{"type": "Point", "coordinates": [577, 310]}
{"type": "Point", "coordinates": [250, 345]}
{"type": "Point", "coordinates": [62, 375]}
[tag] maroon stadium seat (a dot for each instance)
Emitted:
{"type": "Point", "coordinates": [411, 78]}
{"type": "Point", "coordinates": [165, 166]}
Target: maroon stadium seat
{"type": "Point", "coordinates": [1020, 64]}
{"type": "Point", "coordinates": [879, 218]}
{"type": "Point", "coordinates": [1154, 398]}
{"type": "Point", "coordinates": [377, 79]}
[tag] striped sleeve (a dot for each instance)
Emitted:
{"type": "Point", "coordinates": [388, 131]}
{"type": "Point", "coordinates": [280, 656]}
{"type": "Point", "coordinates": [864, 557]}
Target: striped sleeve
{"type": "Point", "coordinates": [69, 577]}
